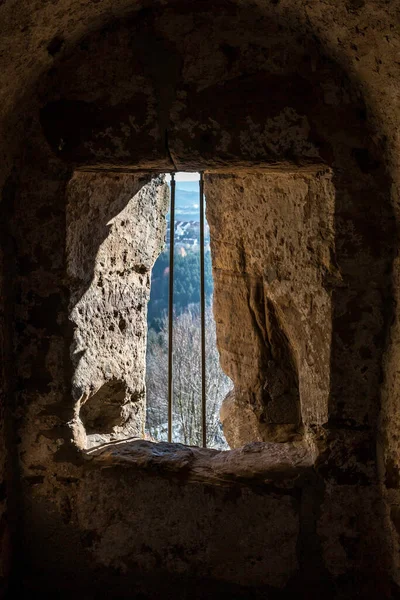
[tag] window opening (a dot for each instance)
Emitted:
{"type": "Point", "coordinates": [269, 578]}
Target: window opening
{"type": "Point", "coordinates": [202, 316]}
{"type": "Point", "coordinates": [184, 381]}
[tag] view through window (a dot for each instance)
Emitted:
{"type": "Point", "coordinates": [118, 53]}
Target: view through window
{"type": "Point", "coordinates": [186, 397]}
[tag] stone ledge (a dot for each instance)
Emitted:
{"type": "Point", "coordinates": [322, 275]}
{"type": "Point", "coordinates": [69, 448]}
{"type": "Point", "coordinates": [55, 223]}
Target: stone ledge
{"type": "Point", "coordinates": [254, 463]}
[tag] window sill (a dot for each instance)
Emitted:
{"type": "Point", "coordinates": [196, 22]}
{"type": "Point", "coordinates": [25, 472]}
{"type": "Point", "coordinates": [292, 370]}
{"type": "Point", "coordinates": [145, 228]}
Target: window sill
{"type": "Point", "coordinates": [254, 463]}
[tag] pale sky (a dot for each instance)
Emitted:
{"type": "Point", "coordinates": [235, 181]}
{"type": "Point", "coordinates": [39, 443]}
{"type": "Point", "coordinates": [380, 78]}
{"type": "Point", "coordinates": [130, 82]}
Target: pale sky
{"type": "Point", "coordinates": [183, 176]}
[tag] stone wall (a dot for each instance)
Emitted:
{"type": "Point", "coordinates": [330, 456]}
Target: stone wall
{"type": "Point", "coordinates": [115, 231]}
{"type": "Point", "coordinates": [5, 466]}
{"type": "Point", "coordinates": [273, 246]}
{"type": "Point", "coordinates": [291, 86]}
{"type": "Point", "coordinates": [135, 514]}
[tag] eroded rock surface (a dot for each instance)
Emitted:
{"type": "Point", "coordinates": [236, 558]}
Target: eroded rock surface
{"type": "Point", "coordinates": [272, 246]}
{"type": "Point", "coordinates": [115, 231]}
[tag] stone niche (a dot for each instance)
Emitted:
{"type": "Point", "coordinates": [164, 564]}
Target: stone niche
{"type": "Point", "coordinates": [115, 231]}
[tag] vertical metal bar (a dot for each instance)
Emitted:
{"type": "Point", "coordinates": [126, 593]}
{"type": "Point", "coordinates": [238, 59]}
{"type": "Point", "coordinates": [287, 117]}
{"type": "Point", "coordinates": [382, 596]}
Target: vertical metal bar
{"type": "Point", "coordinates": [171, 304]}
{"type": "Point", "coordinates": [203, 316]}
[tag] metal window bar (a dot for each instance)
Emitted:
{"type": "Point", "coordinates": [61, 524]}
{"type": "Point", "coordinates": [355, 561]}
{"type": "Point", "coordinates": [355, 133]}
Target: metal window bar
{"type": "Point", "coordinates": [171, 305]}
{"type": "Point", "coordinates": [203, 316]}
{"type": "Point", "coordinates": [202, 312]}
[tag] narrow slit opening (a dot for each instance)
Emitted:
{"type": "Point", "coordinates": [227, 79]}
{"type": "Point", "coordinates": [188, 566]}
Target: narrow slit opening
{"type": "Point", "coordinates": [185, 385]}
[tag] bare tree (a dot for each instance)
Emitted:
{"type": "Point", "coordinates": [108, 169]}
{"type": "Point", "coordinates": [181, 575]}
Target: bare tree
{"type": "Point", "coordinates": [187, 382]}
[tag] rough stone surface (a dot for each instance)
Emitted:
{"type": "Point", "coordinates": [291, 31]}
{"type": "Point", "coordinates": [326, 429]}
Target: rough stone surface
{"type": "Point", "coordinates": [292, 87]}
{"type": "Point", "coordinates": [6, 480]}
{"type": "Point", "coordinates": [115, 231]}
{"type": "Point", "coordinates": [123, 536]}
{"type": "Point", "coordinates": [272, 238]}
{"type": "Point", "coordinates": [253, 463]}
{"type": "Point", "coordinates": [240, 423]}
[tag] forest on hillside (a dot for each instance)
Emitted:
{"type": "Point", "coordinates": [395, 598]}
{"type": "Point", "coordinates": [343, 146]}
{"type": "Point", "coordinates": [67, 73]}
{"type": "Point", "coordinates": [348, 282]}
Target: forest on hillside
{"type": "Point", "coordinates": [186, 343]}
{"type": "Point", "coordinates": [186, 414]}
{"type": "Point", "coordinates": [186, 355]}
{"type": "Point", "coordinates": [186, 285]}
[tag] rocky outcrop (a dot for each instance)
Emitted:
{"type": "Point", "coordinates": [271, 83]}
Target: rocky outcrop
{"type": "Point", "coordinates": [115, 231]}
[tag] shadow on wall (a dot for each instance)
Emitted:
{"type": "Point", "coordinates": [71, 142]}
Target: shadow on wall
{"type": "Point", "coordinates": [115, 231]}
